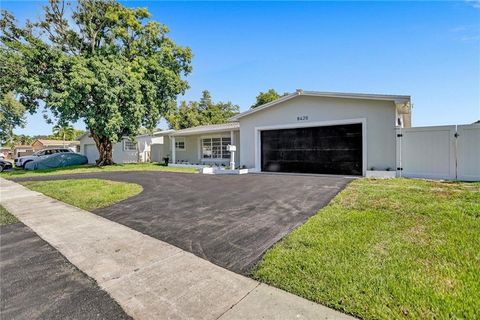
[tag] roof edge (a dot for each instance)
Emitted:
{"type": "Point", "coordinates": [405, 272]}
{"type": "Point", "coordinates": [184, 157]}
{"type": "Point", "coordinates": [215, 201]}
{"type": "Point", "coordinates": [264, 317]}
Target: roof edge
{"type": "Point", "coordinates": [206, 129]}
{"type": "Point", "coordinates": [397, 99]}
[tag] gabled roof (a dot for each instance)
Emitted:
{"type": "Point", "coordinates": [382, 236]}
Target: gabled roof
{"type": "Point", "coordinates": [212, 128]}
{"type": "Point", "coordinates": [157, 132]}
{"type": "Point", "coordinates": [48, 142]}
{"type": "Point", "coordinates": [397, 99]}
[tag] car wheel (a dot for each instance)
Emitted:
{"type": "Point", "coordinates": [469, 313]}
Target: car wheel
{"type": "Point", "coordinates": [1, 168]}
{"type": "Point", "coordinates": [25, 163]}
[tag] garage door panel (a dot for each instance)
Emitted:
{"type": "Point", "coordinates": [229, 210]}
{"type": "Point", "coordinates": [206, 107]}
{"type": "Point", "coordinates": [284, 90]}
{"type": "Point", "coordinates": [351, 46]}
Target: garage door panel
{"type": "Point", "coordinates": [329, 150]}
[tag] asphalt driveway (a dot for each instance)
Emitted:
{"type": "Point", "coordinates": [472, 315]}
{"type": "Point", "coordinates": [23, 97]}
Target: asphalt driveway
{"type": "Point", "coordinates": [37, 282]}
{"type": "Point", "coordinates": [228, 220]}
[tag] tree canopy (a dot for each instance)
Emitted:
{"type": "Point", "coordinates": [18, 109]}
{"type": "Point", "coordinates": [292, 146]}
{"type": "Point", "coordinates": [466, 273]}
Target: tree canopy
{"type": "Point", "coordinates": [268, 96]}
{"type": "Point", "coordinates": [11, 116]}
{"type": "Point", "coordinates": [203, 112]}
{"type": "Point", "coordinates": [105, 64]}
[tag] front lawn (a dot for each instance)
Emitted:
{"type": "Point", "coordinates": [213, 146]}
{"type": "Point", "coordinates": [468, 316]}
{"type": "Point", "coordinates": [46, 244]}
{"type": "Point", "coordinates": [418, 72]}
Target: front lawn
{"type": "Point", "coordinates": [6, 217]}
{"type": "Point", "coordinates": [17, 173]}
{"type": "Point", "coordinates": [387, 249]}
{"type": "Point", "coordinates": [87, 194]}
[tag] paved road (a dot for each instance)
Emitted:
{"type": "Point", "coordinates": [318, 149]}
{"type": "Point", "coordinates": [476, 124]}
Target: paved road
{"type": "Point", "coordinates": [37, 282]}
{"type": "Point", "coordinates": [228, 220]}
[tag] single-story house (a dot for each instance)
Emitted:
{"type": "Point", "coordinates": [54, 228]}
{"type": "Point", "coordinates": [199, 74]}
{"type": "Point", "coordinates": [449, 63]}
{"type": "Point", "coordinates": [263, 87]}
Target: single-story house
{"type": "Point", "coordinates": [303, 132]}
{"type": "Point", "coordinates": [6, 152]}
{"type": "Point", "coordinates": [22, 150]}
{"type": "Point", "coordinates": [40, 144]}
{"type": "Point", "coordinates": [126, 150]}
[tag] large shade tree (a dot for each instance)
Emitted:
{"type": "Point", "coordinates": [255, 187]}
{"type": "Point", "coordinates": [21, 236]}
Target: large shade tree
{"type": "Point", "coordinates": [11, 116]}
{"type": "Point", "coordinates": [105, 64]}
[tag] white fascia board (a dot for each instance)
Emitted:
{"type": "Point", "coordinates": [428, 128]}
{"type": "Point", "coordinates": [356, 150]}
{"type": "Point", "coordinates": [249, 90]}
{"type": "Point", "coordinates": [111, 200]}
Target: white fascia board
{"type": "Point", "coordinates": [366, 96]}
{"type": "Point", "coordinates": [194, 133]}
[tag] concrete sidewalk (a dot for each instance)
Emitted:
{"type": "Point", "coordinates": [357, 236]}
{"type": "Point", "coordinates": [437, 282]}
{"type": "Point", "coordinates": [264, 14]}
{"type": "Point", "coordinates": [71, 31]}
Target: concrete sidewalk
{"type": "Point", "coordinates": [149, 278]}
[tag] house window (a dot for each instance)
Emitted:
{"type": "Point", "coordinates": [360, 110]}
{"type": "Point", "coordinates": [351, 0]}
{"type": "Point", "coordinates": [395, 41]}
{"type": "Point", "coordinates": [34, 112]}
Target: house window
{"type": "Point", "coordinates": [179, 143]}
{"type": "Point", "coordinates": [129, 145]}
{"type": "Point", "coordinates": [215, 148]}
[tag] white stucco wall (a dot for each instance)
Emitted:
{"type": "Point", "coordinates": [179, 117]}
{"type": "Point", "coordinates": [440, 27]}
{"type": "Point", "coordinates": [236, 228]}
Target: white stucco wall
{"type": "Point", "coordinates": [380, 117]}
{"type": "Point", "coordinates": [119, 155]}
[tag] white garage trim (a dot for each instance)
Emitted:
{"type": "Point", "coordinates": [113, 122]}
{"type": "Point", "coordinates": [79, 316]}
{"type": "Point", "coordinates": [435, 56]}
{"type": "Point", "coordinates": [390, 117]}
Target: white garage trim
{"type": "Point", "coordinates": [363, 121]}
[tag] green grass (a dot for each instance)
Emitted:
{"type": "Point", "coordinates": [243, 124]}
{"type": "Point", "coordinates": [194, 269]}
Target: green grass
{"type": "Point", "coordinates": [6, 217]}
{"type": "Point", "coordinates": [17, 173]}
{"type": "Point", "coordinates": [387, 249]}
{"type": "Point", "coordinates": [87, 194]}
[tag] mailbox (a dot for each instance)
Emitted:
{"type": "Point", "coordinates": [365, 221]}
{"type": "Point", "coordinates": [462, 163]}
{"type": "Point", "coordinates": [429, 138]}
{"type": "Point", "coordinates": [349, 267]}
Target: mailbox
{"type": "Point", "coordinates": [231, 148]}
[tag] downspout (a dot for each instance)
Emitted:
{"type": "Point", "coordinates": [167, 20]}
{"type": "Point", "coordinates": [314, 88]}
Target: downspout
{"type": "Point", "coordinates": [400, 151]}
{"type": "Point", "coordinates": [172, 138]}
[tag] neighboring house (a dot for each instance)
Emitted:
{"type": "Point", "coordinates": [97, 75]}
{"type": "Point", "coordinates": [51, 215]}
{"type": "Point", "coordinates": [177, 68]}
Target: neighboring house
{"type": "Point", "coordinates": [6, 152]}
{"type": "Point", "coordinates": [22, 150]}
{"type": "Point", "coordinates": [146, 142]}
{"type": "Point", "coordinates": [40, 144]}
{"type": "Point", "coordinates": [306, 132]}
{"type": "Point", "coordinates": [124, 151]}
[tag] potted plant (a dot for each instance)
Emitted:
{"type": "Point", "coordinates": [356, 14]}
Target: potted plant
{"type": "Point", "coordinates": [166, 160]}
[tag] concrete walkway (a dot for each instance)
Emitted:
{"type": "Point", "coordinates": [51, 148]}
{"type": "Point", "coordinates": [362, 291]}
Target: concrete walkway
{"type": "Point", "coordinates": [149, 278]}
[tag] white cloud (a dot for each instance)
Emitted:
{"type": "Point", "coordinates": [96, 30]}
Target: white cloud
{"type": "Point", "coordinates": [470, 38]}
{"type": "Point", "coordinates": [474, 3]}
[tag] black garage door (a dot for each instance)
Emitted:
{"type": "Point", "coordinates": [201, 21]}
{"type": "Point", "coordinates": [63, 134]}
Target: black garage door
{"type": "Point", "coordinates": [327, 150]}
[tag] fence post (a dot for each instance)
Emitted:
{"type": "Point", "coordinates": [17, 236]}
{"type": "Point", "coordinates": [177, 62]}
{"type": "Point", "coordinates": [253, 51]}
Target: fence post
{"type": "Point", "coordinates": [399, 135]}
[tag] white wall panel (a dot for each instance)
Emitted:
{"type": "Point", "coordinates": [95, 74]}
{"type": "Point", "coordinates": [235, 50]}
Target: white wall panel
{"type": "Point", "coordinates": [468, 152]}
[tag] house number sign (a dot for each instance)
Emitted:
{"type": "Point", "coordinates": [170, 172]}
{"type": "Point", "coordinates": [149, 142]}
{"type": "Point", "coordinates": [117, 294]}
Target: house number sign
{"type": "Point", "coordinates": [302, 118]}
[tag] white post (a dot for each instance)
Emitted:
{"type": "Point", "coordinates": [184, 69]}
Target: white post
{"type": "Point", "coordinates": [173, 149]}
{"type": "Point", "coordinates": [232, 160]}
{"type": "Point", "coordinates": [232, 153]}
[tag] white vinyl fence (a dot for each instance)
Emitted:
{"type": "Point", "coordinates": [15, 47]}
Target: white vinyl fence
{"type": "Point", "coordinates": [468, 153]}
{"type": "Point", "coordinates": [441, 152]}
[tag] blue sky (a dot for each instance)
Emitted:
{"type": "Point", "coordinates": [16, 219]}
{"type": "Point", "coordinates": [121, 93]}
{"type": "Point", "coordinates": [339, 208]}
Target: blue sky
{"type": "Point", "coordinates": [429, 50]}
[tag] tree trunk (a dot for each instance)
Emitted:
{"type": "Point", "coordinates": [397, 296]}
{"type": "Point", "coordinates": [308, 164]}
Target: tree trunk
{"type": "Point", "coordinates": [104, 146]}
